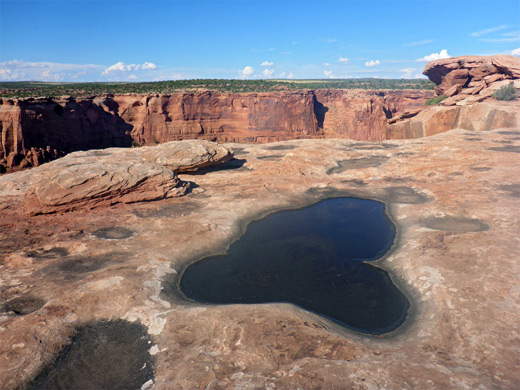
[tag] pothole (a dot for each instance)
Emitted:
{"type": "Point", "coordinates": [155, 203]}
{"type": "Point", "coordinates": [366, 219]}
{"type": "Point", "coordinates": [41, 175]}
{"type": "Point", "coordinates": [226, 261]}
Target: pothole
{"type": "Point", "coordinates": [455, 224]}
{"type": "Point", "coordinates": [312, 257]}
{"type": "Point", "coordinates": [114, 233]}
{"type": "Point", "coordinates": [105, 355]}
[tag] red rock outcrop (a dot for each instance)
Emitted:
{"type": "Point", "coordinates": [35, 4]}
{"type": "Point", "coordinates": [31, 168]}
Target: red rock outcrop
{"type": "Point", "coordinates": [39, 130]}
{"type": "Point", "coordinates": [471, 71]}
{"type": "Point", "coordinates": [469, 83]}
{"type": "Point", "coordinates": [101, 178]}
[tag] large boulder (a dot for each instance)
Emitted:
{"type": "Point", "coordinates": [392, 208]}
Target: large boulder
{"type": "Point", "coordinates": [189, 155]}
{"type": "Point", "coordinates": [469, 71]}
{"type": "Point", "coordinates": [97, 178]}
{"type": "Point", "coordinates": [96, 184]}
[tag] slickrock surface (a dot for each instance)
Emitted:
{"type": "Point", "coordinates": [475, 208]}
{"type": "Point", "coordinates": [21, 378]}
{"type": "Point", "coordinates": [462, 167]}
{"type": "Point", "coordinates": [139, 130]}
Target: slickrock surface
{"type": "Point", "coordinates": [454, 198]}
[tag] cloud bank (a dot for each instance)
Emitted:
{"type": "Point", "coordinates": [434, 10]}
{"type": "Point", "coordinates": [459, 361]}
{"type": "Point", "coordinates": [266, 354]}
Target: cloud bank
{"type": "Point", "coordinates": [434, 56]}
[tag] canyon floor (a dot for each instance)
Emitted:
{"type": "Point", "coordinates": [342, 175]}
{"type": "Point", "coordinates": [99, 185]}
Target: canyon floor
{"type": "Point", "coordinates": [454, 198]}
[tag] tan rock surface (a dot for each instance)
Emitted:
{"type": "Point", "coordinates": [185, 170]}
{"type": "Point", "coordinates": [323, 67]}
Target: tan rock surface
{"type": "Point", "coordinates": [460, 113]}
{"type": "Point", "coordinates": [187, 156]}
{"type": "Point", "coordinates": [454, 198]}
{"type": "Point", "coordinates": [100, 178]}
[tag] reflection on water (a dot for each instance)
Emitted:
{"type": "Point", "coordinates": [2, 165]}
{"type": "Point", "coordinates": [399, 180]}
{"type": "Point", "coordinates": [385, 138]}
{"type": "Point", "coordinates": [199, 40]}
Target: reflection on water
{"type": "Point", "coordinates": [314, 258]}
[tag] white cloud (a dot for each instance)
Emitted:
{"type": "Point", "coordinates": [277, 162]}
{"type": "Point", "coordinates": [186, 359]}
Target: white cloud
{"type": "Point", "coordinates": [122, 67]}
{"type": "Point", "coordinates": [329, 74]}
{"type": "Point", "coordinates": [247, 71]}
{"type": "Point", "coordinates": [343, 60]}
{"type": "Point", "coordinates": [488, 31]}
{"type": "Point", "coordinates": [419, 76]}
{"type": "Point", "coordinates": [417, 43]}
{"type": "Point", "coordinates": [434, 56]}
{"type": "Point", "coordinates": [291, 75]}
{"type": "Point", "coordinates": [512, 36]}
{"type": "Point", "coordinates": [326, 64]}
{"type": "Point", "coordinates": [268, 72]}
{"type": "Point", "coordinates": [516, 52]}
{"type": "Point", "coordinates": [132, 77]}
{"type": "Point", "coordinates": [372, 63]}
{"type": "Point", "coordinates": [48, 71]}
{"type": "Point", "coordinates": [48, 75]}
{"type": "Point", "coordinates": [407, 73]}
{"type": "Point", "coordinates": [267, 63]}
{"type": "Point", "coordinates": [148, 65]}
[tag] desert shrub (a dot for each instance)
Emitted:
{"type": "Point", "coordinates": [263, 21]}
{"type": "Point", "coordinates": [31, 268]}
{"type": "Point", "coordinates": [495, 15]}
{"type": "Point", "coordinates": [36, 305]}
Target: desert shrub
{"type": "Point", "coordinates": [436, 100]}
{"type": "Point", "coordinates": [506, 92]}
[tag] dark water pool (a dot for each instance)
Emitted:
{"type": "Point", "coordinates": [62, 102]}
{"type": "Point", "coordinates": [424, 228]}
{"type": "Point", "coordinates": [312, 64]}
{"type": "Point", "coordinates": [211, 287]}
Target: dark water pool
{"type": "Point", "coordinates": [314, 258]}
{"type": "Point", "coordinates": [106, 355]}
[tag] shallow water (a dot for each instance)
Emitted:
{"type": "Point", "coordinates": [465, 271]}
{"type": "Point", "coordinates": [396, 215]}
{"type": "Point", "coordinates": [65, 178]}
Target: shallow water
{"type": "Point", "coordinates": [314, 258]}
{"type": "Point", "coordinates": [106, 355]}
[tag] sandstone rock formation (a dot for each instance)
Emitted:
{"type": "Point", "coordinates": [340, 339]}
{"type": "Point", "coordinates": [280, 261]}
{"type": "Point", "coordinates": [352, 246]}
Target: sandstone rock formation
{"type": "Point", "coordinates": [90, 184]}
{"type": "Point", "coordinates": [39, 130]}
{"type": "Point", "coordinates": [438, 119]}
{"type": "Point", "coordinates": [454, 198]}
{"type": "Point", "coordinates": [469, 83]}
{"type": "Point", "coordinates": [471, 72]}
{"type": "Point", "coordinates": [100, 178]}
{"type": "Point", "coordinates": [188, 156]}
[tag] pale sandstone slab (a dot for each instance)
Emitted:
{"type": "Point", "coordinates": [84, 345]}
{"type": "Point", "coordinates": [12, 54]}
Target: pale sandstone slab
{"type": "Point", "coordinates": [101, 178]}
{"type": "Point", "coordinates": [186, 156]}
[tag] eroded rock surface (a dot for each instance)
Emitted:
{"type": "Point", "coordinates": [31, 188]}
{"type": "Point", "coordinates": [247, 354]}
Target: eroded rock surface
{"type": "Point", "coordinates": [87, 180]}
{"type": "Point", "coordinates": [471, 72]}
{"type": "Point", "coordinates": [452, 196]}
{"type": "Point", "coordinates": [187, 156]}
{"type": "Point", "coordinates": [469, 83]}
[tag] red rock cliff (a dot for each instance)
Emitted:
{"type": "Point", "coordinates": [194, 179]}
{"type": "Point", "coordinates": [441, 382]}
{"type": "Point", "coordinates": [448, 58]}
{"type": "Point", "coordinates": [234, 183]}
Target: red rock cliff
{"type": "Point", "coordinates": [37, 130]}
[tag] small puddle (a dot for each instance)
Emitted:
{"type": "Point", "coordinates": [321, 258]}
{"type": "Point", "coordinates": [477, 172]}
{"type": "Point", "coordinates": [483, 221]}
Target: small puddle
{"type": "Point", "coordinates": [314, 258]}
{"type": "Point", "coordinates": [105, 355]}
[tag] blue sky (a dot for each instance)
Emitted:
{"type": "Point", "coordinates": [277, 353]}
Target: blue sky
{"type": "Point", "coordinates": [163, 40]}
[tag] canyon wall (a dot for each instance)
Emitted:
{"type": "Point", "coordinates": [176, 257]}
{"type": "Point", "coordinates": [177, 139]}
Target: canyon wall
{"type": "Point", "coordinates": [38, 130]}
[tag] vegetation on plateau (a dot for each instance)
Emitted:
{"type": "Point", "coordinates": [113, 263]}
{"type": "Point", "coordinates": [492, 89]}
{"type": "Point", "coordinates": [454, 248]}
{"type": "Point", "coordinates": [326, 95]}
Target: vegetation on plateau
{"type": "Point", "coordinates": [435, 100]}
{"type": "Point", "coordinates": [506, 92]}
{"type": "Point", "coordinates": [20, 89]}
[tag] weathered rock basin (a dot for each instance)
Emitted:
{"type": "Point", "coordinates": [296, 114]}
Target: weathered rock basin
{"type": "Point", "coordinates": [313, 258]}
{"type": "Point", "coordinates": [455, 258]}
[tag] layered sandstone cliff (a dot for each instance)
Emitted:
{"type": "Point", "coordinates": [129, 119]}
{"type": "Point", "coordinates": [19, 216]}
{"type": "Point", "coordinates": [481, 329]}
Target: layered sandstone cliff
{"type": "Point", "coordinates": [38, 130]}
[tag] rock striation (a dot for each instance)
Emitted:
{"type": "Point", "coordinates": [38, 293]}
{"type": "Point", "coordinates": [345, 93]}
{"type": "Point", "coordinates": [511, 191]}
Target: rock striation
{"type": "Point", "coordinates": [101, 178]}
{"type": "Point", "coordinates": [188, 156]}
{"type": "Point", "coordinates": [472, 73]}
{"type": "Point", "coordinates": [39, 130]}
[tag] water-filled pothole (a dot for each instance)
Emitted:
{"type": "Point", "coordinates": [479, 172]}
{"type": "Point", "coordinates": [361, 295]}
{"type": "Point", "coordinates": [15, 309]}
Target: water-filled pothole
{"type": "Point", "coordinates": [105, 355]}
{"type": "Point", "coordinates": [311, 257]}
